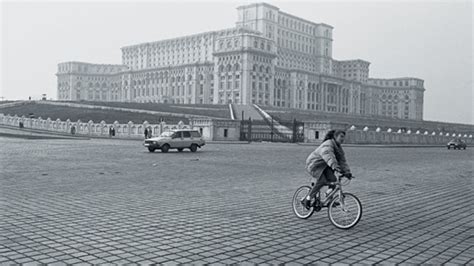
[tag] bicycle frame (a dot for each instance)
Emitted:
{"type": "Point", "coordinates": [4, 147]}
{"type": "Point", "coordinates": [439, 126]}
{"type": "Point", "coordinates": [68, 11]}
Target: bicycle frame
{"type": "Point", "coordinates": [337, 189]}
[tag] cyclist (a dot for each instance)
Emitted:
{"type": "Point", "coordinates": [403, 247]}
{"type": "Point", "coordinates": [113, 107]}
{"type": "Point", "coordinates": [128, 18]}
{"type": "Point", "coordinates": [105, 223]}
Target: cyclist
{"type": "Point", "coordinates": [323, 162]}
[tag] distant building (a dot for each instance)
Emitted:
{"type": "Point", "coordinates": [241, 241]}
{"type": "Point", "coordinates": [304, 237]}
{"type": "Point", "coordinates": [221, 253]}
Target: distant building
{"type": "Point", "coordinates": [270, 58]}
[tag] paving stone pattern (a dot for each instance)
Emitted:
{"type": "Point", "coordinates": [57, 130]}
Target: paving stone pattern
{"type": "Point", "coordinates": [111, 201]}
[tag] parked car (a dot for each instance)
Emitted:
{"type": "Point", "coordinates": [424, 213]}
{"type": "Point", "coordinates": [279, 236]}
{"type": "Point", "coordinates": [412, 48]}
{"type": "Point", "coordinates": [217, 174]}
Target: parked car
{"type": "Point", "coordinates": [456, 144]}
{"type": "Point", "coordinates": [177, 139]}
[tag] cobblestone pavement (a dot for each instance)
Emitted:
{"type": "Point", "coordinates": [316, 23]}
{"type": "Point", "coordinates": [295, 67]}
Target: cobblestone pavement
{"type": "Point", "coordinates": [111, 201]}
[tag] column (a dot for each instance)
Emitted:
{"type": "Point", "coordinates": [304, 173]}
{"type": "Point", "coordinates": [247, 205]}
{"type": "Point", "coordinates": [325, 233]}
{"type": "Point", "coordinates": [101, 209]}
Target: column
{"type": "Point", "coordinates": [305, 92]}
{"type": "Point", "coordinates": [194, 84]}
{"type": "Point", "coordinates": [324, 96]}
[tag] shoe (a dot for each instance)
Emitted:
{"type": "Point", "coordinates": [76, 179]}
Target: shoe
{"type": "Point", "coordinates": [326, 197]}
{"type": "Point", "coordinates": [328, 191]}
{"type": "Point", "coordinates": [306, 203]}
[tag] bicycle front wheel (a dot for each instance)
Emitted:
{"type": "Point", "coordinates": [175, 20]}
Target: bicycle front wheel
{"type": "Point", "coordinates": [345, 213]}
{"type": "Point", "coordinates": [298, 208]}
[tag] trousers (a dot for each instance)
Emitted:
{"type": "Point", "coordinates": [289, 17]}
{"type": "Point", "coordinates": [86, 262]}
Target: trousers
{"type": "Point", "coordinates": [326, 177]}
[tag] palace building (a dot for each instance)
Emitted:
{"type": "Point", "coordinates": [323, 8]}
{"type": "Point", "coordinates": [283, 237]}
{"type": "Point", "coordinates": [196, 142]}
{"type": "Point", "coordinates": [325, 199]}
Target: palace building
{"type": "Point", "coordinates": [270, 58]}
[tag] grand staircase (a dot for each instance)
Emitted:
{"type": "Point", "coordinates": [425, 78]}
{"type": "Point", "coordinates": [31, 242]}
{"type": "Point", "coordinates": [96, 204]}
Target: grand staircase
{"type": "Point", "coordinates": [263, 126]}
{"type": "Point", "coordinates": [248, 111]}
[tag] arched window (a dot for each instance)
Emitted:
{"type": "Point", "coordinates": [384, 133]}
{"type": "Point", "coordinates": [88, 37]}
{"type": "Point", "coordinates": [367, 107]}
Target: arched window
{"type": "Point", "coordinates": [236, 67]}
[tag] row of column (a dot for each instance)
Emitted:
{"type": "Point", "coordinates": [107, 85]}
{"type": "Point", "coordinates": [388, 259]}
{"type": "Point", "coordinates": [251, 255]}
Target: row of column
{"type": "Point", "coordinates": [195, 88]}
{"type": "Point", "coordinates": [324, 99]}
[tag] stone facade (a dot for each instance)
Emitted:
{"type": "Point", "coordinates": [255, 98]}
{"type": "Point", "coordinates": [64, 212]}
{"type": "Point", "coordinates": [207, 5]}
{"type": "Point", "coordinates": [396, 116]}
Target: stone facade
{"type": "Point", "coordinates": [270, 58]}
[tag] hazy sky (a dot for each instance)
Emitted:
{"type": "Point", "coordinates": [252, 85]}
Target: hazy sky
{"type": "Point", "coordinates": [426, 39]}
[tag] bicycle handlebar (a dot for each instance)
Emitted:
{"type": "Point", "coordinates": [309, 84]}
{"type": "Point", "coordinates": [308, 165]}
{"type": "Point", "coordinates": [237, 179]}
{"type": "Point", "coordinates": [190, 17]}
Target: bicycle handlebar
{"type": "Point", "coordinates": [343, 175]}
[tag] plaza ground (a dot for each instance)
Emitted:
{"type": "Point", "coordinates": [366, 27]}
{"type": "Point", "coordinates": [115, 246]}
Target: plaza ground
{"type": "Point", "coordinates": [111, 201]}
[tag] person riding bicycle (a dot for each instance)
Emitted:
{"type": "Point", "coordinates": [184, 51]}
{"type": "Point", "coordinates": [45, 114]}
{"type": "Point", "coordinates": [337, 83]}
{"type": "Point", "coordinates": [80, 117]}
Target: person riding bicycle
{"type": "Point", "coordinates": [323, 162]}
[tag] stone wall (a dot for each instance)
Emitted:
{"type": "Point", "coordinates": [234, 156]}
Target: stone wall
{"type": "Point", "coordinates": [374, 137]}
{"type": "Point", "coordinates": [219, 130]}
{"type": "Point", "coordinates": [129, 130]}
{"type": "Point", "coordinates": [229, 130]}
{"type": "Point", "coordinates": [368, 135]}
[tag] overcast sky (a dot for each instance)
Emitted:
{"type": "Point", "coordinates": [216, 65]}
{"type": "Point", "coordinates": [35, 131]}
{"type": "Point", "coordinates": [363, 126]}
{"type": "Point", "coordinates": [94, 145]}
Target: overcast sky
{"type": "Point", "coordinates": [425, 39]}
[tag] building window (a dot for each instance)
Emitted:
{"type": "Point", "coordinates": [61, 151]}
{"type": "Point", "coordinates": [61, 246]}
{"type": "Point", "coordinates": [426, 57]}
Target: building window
{"type": "Point", "coordinates": [226, 131]}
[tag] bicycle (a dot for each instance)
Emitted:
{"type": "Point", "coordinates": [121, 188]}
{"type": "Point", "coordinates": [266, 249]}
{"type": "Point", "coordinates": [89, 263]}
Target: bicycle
{"type": "Point", "coordinates": [344, 209]}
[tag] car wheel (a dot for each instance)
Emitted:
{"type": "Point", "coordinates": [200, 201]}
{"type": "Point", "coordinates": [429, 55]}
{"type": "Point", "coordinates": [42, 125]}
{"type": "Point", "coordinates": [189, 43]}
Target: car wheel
{"type": "Point", "coordinates": [449, 147]}
{"type": "Point", "coordinates": [165, 148]}
{"type": "Point", "coordinates": [464, 147]}
{"type": "Point", "coordinates": [180, 149]}
{"type": "Point", "coordinates": [193, 148]}
{"type": "Point", "coordinates": [150, 149]}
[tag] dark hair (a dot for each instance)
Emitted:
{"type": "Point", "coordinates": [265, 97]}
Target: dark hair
{"type": "Point", "coordinates": [332, 134]}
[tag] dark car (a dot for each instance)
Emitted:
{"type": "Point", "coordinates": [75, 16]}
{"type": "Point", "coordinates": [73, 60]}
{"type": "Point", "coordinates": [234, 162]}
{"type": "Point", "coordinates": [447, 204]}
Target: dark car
{"type": "Point", "coordinates": [456, 144]}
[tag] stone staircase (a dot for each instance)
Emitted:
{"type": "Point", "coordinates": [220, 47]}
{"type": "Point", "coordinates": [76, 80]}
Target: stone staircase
{"type": "Point", "coordinates": [248, 111]}
{"type": "Point", "coordinates": [277, 127]}
{"type": "Point", "coordinates": [261, 122]}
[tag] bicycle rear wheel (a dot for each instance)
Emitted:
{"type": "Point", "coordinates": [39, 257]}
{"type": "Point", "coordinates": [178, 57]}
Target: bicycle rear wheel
{"type": "Point", "coordinates": [298, 208]}
{"type": "Point", "coordinates": [346, 213]}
